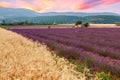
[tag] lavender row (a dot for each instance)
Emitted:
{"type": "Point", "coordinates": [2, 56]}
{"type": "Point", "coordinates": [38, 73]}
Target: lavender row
{"type": "Point", "coordinates": [75, 49]}
{"type": "Point", "coordinates": [104, 51]}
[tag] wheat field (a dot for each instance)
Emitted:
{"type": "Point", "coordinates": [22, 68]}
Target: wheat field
{"type": "Point", "coordinates": [23, 59]}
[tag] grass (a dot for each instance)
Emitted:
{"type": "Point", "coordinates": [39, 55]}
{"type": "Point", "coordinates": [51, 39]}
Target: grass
{"type": "Point", "coordinates": [79, 68]}
{"type": "Point", "coordinates": [103, 76]}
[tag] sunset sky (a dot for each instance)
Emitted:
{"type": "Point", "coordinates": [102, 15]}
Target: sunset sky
{"type": "Point", "coordinates": [64, 5]}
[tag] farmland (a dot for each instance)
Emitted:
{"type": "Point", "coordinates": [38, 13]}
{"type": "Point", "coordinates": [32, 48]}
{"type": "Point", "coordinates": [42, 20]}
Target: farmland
{"type": "Point", "coordinates": [59, 39]}
{"type": "Point", "coordinates": [99, 49]}
{"type": "Point", "coordinates": [23, 59]}
{"type": "Point", "coordinates": [60, 26]}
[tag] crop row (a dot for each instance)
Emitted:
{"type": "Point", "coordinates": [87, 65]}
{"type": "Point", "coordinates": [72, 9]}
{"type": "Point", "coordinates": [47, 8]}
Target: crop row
{"type": "Point", "coordinates": [98, 48]}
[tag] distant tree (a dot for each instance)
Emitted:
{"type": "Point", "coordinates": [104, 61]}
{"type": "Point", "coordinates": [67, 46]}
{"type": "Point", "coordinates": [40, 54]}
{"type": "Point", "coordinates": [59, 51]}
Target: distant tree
{"type": "Point", "coordinates": [86, 24]}
{"type": "Point", "coordinates": [117, 24]}
{"type": "Point", "coordinates": [78, 23]}
{"type": "Point", "coordinates": [25, 22]}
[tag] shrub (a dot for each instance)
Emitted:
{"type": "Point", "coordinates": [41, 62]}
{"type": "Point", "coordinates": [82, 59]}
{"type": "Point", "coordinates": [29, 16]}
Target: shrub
{"type": "Point", "coordinates": [86, 24]}
{"type": "Point", "coordinates": [79, 68]}
{"type": "Point", "coordinates": [78, 23]}
{"type": "Point", "coordinates": [117, 24]}
{"type": "Point", "coordinates": [103, 76]}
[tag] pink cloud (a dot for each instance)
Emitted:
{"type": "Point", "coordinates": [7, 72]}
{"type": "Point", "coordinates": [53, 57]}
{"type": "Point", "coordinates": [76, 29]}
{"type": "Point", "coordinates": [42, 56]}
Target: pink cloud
{"type": "Point", "coordinates": [4, 4]}
{"type": "Point", "coordinates": [44, 4]}
{"type": "Point", "coordinates": [108, 2]}
{"type": "Point", "coordinates": [93, 3]}
{"type": "Point", "coordinates": [57, 5]}
{"type": "Point", "coordinates": [83, 6]}
{"type": "Point", "coordinates": [27, 5]}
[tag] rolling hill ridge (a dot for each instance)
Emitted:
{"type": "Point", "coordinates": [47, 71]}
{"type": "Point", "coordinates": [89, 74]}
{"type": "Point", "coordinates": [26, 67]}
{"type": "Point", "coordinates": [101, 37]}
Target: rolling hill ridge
{"type": "Point", "coordinates": [10, 15]}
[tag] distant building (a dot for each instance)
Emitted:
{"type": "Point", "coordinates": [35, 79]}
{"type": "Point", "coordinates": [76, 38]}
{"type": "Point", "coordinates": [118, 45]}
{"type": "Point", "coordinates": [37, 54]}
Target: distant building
{"type": "Point", "coordinates": [80, 26]}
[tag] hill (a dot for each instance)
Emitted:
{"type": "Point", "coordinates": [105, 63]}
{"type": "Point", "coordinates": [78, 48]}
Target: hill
{"type": "Point", "coordinates": [11, 12]}
{"type": "Point", "coordinates": [80, 14]}
{"type": "Point", "coordinates": [10, 16]}
{"type": "Point", "coordinates": [20, 12]}
{"type": "Point", "coordinates": [61, 19]}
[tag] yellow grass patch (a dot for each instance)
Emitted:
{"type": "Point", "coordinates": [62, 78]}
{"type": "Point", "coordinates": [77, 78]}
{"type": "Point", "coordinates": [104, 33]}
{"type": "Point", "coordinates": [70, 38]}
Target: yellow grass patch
{"type": "Point", "coordinates": [23, 59]}
{"type": "Point", "coordinates": [103, 26]}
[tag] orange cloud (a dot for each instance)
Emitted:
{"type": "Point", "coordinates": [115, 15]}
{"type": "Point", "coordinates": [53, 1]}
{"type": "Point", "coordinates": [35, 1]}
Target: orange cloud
{"type": "Point", "coordinates": [45, 4]}
{"type": "Point", "coordinates": [36, 5]}
{"type": "Point", "coordinates": [4, 4]}
{"type": "Point", "coordinates": [24, 4]}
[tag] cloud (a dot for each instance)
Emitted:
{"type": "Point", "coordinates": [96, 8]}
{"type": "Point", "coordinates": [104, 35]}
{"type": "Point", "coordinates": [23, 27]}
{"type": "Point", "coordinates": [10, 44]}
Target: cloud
{"type": "Point", "coordinates": [88, 4]}
{"type": "Point", "coordinates": [4, 4]}
{"type": "Point", "coordinates": [44, 4]}
{"type": "Point", "coordinates": [36, 5]}
{"type": "Point", "coordinates": [27, 5]}
{"type": "Point", "coordinates": [108, 2]}
{"type": "Point", "coordinates": [82, 6]}
{"type": "Point", "coordinates": [57, 5]}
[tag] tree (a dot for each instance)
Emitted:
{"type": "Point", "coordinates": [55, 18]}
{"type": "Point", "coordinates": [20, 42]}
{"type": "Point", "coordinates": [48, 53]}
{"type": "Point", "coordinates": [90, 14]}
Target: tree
{"type": "Point", "coordinates": [86, 24]}
{"type": "Point", "coordinates": [25, 22]}
{"type": "Point", "coordinates": [117, 24]}
{"type": "Point", "coordinates": [78, 23]}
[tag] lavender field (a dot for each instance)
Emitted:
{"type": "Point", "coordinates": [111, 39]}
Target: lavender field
{"type": "Point", "coordinates": [97, 48]}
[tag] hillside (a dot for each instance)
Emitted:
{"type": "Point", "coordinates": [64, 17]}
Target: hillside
{"type": "Point", "coordinates": [19, 12]}
{"type": "Point", "coordinates": [12, 12]}
{"type": "Point", "coordinates": [11, 16]}
{"type": "Point", "coordinates": [63, 19]}
{"type": "Point", "coordinates": [80, 14]}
